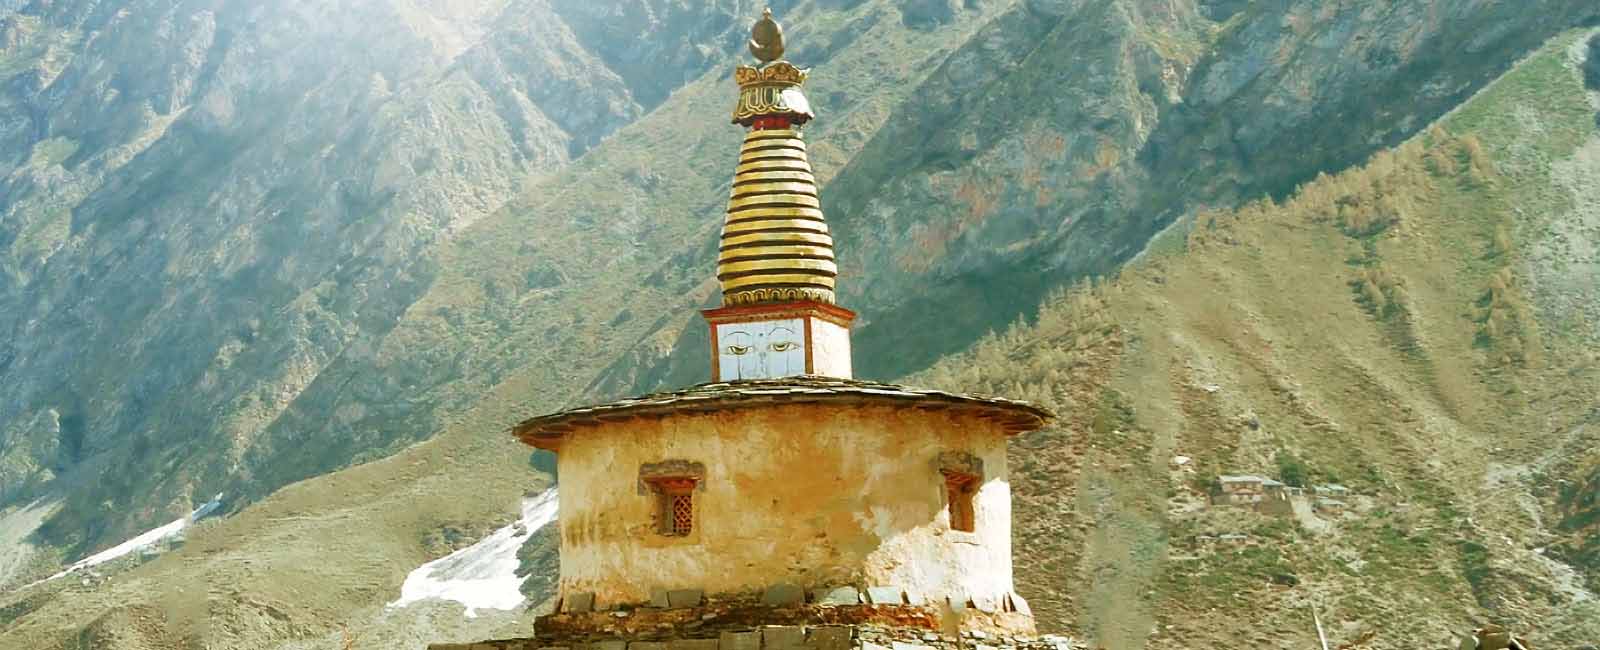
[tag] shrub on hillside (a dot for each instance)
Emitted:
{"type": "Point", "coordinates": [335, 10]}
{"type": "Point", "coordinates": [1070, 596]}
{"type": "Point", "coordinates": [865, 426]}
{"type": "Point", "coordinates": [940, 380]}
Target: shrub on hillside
{"type": "Point", "coordinates": [1591, 66]}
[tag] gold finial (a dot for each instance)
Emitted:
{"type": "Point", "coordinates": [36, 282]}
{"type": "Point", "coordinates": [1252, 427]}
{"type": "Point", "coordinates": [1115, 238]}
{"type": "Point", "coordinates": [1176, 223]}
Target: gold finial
{"type": "Point", "coordinates": [766, 38]}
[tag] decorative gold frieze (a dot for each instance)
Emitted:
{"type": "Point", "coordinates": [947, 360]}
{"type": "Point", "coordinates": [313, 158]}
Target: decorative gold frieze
{"type": "Point", "coordinates": [782, 294]}
{"type": "Point", "coordinates": [782, 73]}
{"type": "Point", "coordinates": [771, 101]}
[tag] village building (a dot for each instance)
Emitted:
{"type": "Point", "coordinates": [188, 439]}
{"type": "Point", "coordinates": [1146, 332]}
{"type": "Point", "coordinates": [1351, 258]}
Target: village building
{"type": "Point", "coordinates": [1242, 490]}
{"type": "Point", "coordinates": [784, 504]}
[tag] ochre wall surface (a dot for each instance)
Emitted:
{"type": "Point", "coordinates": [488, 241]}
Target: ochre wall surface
{"type": "Point", "coordinates": [816, 495]}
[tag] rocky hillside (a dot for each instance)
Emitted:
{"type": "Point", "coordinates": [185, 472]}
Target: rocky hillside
{"type": "Point", "coordinates": [204, 207]}
{"type": "Point", "coordinates": [1422, 330]}
{"type": "Point", "coordinates": [276, 243]}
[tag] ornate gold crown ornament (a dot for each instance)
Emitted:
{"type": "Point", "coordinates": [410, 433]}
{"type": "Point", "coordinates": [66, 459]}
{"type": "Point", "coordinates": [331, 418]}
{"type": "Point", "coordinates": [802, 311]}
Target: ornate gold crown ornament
{"type": "Point", "coordinates": [773, 88]}
{"type": "Point", "coordinates": [782, 74]}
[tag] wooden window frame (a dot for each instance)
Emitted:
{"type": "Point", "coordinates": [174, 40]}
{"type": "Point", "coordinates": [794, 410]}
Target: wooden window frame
{"type": "Point", "coordinates": [673, 483]}
{"type": "Point", "coordinates": [961, 490]}
{"type": "Point", "coordinates": [963, 477]}
{"type": "Point", "coordinates": [675, 503]}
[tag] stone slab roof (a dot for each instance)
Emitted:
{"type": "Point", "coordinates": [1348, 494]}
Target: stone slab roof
{"type": "Point", "coordinates": [1014, 415]}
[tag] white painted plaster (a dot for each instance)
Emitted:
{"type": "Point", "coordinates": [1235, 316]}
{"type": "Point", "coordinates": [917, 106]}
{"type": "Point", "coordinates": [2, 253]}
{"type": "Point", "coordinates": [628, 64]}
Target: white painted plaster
{"type": "Point", "coordinates": [830, 349]}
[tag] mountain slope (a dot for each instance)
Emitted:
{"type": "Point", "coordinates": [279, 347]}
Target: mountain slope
{"type": "Point", "coordinates": [1450, 430]}
{"type": "Point", "coordinates": [286, 240]}
{"type": "Point", "coordinates": [1407, 329]}
{"type": "Point", "coordinates": [205, 206]}
{"type": "Point", "coordinates": [449, 266]}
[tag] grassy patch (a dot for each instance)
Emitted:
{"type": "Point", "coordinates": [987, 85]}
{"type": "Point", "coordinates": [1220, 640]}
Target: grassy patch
{"type": "Point", "coordinates": [52, 151]}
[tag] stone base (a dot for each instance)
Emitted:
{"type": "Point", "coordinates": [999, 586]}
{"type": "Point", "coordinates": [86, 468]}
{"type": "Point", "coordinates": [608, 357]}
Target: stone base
{"type": "Point", "coordinates": [787, 637]}
{"type": "Point", "coordinates": [683, 613]}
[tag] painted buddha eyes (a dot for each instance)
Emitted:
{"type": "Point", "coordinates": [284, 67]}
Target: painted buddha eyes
{"type": "Point", "coordinates": [780, 346]}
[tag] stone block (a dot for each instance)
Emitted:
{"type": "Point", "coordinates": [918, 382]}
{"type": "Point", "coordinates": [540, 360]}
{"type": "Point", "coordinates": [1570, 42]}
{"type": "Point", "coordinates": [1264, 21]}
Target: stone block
{"type": "Point", "coordinates": [1057, 641]}
{"type": "Point", "coordinates": [836, 596]}
{"type": "Point", "coordinates": [615, 644]}
{"type": "Point", "coordinates": [886, 596]}
{"type": "Point", "coordinates": [518, 646]}
{"type": "Point", "coordinates": [1019, 605]}
{"type": "Point", "coordinates": [579, 602]}
{"type": "Point", "coordinates": [782, 637]}
{"type": "Point", "coordinates": [872, 646]}
{"type": "Point", "coordinates": [916, 598]}
{"type": "Point", "coordinates": [901, 645]}
{"type": "Point", "coordinates": [739, 641]}
{"type": "Point", "coordinates": [692, 644]}
{"type": "Point", "coordinates": [783, 595]}
{"type": "Point", "coordinates": [659, 598]}
{"type": "Point", "coordinates": [647, 645]}
{"type": "Point", "coordinates": [678, 598]}
{"type": "Point", "coordinates": [829, 637]}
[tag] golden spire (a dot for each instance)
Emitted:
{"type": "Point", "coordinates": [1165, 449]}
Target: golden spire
{"type": "Point", "coordinates": [775, 243]}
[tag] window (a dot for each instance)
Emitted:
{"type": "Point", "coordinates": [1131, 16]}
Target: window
{"type": "Point", "coordinates": [963, 475]}
{"type": "Point", "coordinates": [672, 483]}
{"type": "Point", "coordinates": [959, 490]}
{"type": "Point", "coordinates": [676, 497]}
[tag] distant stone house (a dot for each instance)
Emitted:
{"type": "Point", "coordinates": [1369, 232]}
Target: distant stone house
{"type": "Point", "coordinates": [1256, 492]}
{"type": "Point", "coordinates": [1239, 490]}
{"type": "Point", "coordinates": [1332, 491]}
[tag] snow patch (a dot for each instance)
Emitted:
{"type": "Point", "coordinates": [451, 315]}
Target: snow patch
{"type": "Point", "coordinates": [145, 540]}
{"type": "Point", "coordinates": [484, 575]}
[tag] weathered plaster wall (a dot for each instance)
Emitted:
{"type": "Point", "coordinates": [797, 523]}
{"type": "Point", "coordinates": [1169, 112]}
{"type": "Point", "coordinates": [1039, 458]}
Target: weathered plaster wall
{"type": "Point", "coordinates": [813, 494]}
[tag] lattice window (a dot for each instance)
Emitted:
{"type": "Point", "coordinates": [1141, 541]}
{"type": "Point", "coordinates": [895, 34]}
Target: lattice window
{"type": "Point", "coordinates": [960, 489]}
{"type": "Point", "coordinates": [682, 513]}
{"type": "Point", "coordinates": [676, 495]}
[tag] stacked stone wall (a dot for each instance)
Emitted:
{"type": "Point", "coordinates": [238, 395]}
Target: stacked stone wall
{"type": "Point", "coordinates": [791, 637]}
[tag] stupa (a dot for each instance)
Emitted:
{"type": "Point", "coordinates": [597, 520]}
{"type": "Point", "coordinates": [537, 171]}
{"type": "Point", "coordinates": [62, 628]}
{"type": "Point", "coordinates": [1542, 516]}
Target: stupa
{"type": "Point", "coordinates": [785, 504]}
